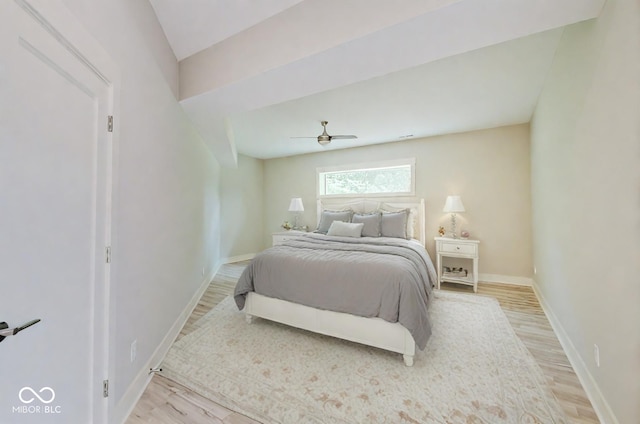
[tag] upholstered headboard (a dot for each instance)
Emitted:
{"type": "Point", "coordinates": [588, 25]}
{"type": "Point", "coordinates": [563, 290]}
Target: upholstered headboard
{"type": "Point", "coordinates": [415, 224]}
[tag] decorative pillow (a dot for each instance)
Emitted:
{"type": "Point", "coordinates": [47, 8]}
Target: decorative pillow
{"type": "Point", "coordinates": [327, 218]}
{"type": "Point", "coordinates": [412, 218]}
{"type": "Point", "coordinates": [371, 223]}
{"type": "Point", "coordinates": [345, 229]}
{"type": "Point", "coordinates": [394, 224]}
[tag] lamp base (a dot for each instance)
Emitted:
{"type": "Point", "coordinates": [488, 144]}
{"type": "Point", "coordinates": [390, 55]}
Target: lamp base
{"type": "Point", "coordinates": [295, 222]}
{"type": "Point", "coordinates": [453, 226]}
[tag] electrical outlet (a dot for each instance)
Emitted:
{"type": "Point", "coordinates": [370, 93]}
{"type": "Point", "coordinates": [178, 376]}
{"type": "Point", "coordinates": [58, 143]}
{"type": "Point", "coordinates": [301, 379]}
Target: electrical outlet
{"type": "Point", "coordinates": [596, 355]}
{"type": "Point", "coordinates": [134, 350]}
{"type": "Point", "coordinates": [535, 271]}
{"type": "Point", "coordinates": [203, 271]}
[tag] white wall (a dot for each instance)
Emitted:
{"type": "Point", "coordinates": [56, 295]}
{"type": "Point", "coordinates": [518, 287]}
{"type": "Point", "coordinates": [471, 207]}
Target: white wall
{"type": "Point", "coordinates": [489, 169]}
{"type": "Point", "coordinates": [166, 217]}
{"type": "Point", "coordinates": [242, 208]}
{"type": "Point", "coordinates": [585, 195]}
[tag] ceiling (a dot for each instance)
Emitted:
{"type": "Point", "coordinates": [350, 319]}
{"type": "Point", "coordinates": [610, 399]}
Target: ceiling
{"type": "Point", "coordinates": [253, 73]}
{"type": "Point", "coordinates": [191, 26]}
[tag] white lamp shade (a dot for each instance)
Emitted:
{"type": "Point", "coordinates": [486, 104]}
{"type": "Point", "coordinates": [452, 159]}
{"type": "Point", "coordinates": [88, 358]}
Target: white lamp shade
{"type": "Point", "coordinates": [453, 204]}
{"type": "Point", "coordinates": [296, 205]}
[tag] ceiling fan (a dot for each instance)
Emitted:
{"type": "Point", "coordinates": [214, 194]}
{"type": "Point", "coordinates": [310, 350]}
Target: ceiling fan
{"type": "Point", "coordinates": [324, 138]}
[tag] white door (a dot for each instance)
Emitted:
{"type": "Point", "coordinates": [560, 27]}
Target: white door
{"type": "Point", "coordinates": [54, 218]}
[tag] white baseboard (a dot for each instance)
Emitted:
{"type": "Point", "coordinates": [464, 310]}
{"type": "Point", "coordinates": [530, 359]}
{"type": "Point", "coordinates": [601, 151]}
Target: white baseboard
{"type": "Point", "coordinates": [505, 279]}
{"type": "Point", "coordinates": [239, 258]}
{"type": "Point", "coordinates": [123, 409]}
{"type": "Point", "coordinates": [599, 403]}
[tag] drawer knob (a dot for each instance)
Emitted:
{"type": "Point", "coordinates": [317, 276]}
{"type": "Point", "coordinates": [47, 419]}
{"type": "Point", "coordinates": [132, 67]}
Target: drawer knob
{"type": "Point", "coordinates": [458, 247]}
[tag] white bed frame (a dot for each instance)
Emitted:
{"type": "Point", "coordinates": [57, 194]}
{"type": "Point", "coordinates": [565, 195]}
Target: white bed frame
{"type": "Point", "coordinates": [369, 331]}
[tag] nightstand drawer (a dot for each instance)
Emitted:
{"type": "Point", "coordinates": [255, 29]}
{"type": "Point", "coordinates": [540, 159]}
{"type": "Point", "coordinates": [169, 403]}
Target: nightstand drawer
{"type": "Point", "coordinates": [281, 237]}
{"type": "Point", "coordinates": [462, 248]}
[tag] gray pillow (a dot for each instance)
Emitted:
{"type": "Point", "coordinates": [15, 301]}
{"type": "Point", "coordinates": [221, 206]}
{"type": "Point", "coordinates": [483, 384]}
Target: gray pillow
{"type": "Point", "coordinates": [411, 217]}
{"type": "Point", "coordinates": [394, 224]}
{"type": "Point", "coordinates": [328, 217]}
{"type": "Point", "coordinates": [371, 223]}
{"type": "Point", "coordinates": [345, 229]}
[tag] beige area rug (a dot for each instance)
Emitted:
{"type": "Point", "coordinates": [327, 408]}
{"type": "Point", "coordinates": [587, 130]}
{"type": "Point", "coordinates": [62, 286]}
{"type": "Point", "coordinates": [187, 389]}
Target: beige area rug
{"type": "Point", "coordinates": [473, 370]}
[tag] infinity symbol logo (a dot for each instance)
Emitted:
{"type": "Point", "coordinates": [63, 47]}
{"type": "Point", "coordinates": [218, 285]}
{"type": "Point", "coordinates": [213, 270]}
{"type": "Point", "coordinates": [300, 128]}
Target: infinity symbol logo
{"type": "Point", "coordinates": [33, 392]}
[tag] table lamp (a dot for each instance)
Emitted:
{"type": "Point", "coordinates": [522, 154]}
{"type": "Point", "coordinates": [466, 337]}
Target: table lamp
{"type": "Point", "coordinates": [452, 206]}
{"type": "Point", "coordinates": [296, 207]}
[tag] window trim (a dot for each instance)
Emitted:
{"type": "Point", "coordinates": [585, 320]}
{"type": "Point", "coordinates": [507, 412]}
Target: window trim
{"type": "Point", "coordinates": [368, 165]}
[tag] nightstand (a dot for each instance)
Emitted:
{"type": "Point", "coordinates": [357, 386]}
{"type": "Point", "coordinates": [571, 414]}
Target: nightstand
{"type": "Point", "coordinates": [457, 248]}
{"type": "Point", "coordinates": [282, 236]}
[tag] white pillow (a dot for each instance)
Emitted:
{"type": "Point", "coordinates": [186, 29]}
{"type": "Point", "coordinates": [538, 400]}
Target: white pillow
{"type": "Point", "coordinates": [345, 229]}
{"type": "Point", "coordinates": [328, 217]}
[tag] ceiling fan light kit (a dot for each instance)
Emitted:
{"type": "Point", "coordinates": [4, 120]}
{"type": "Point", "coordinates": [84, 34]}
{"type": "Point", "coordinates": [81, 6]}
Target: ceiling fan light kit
{"type": "Point", "coordinates": [325, 138]}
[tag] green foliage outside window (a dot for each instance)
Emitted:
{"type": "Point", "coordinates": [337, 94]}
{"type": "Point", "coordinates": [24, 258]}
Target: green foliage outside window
{"type": "Point", "coordinates": [368, 181]}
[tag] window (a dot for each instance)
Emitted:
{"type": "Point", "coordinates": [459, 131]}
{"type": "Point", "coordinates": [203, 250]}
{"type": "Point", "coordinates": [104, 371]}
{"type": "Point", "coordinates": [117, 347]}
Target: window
{"type": "Point", "coordinates": [389, 178]}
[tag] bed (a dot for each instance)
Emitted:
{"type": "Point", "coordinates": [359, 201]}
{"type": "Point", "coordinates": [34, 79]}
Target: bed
{"type": "Point", "coordinates": [372, 290]}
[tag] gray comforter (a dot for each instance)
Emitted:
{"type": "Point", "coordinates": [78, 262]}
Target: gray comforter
{"type": "Point", "coordinates": [370, 277]}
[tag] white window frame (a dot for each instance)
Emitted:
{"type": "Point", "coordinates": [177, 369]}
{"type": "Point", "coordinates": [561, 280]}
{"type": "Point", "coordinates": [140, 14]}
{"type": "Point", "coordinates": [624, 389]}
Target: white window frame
{"type": "Point", "coordinates": [367, 165]}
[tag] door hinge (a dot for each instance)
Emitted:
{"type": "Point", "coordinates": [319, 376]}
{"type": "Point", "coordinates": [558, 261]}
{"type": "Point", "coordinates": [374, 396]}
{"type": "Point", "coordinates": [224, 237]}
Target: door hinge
{"type": "Point", "coordinates": [107, 254]}
{"type": "Point", "coordinates": [105, 388]}
{"type": "Point", "coordinates": [110, 123]}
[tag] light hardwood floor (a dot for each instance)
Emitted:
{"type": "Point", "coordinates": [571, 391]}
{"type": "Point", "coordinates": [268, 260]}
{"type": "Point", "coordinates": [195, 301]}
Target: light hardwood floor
{"type": "Point", "coordinates": [165, 402]}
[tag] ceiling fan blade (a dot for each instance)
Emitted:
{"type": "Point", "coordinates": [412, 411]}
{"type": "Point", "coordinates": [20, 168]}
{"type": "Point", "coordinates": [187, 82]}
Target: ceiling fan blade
{"type": "Point", "coordinates": [343, 137]}
{"type": "Point", "coordinates": [304, 137]}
